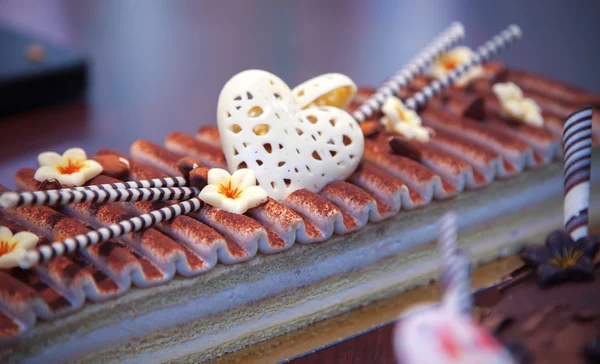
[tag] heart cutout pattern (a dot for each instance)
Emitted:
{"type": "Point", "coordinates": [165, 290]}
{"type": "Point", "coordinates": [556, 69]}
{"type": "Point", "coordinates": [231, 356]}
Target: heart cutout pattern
{"type": "Point", "coordinates": [262, 127]}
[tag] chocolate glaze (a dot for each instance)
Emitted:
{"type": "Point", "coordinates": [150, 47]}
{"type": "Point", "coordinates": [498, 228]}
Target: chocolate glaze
{"type": "Point", "coordinates": [382, 186]}
{"type": "Point", "coordinates": [486, 108]}
{"type": "Point", "coordinates": [159, 248]}
{"type": "Point", "coordinates": [147, 152]}
{"type": "Point", "coordinates": [554, 325]}
{"type": "Point", "coordinates": [113, 166]}
{"type": "Point", "coordinates": [209, 134]}
{"type": "Point", "coordinates": [371, 127]}
{"type": "Point", "coordinates": [465, 104]}
{"type": "Point", "coordinates": [401, 146]}
{"type": "Point", "coordinates": [186, 165]}
{"type": "Point", "coordinates": [513, 150]}
{"type": "Point", "coordinates": [462, 104]}
{"type": "Point", "coordinates": [209, 155]}
{"type": "Point", "coordinates": [49, 184]}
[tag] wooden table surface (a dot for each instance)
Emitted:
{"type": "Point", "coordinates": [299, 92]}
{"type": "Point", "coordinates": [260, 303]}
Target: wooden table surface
{"type": "Point", "coordinates": [158, 66]}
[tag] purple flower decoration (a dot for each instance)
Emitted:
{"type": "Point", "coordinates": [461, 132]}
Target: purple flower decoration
{"type": "Point", "coordinates": [562, 258]}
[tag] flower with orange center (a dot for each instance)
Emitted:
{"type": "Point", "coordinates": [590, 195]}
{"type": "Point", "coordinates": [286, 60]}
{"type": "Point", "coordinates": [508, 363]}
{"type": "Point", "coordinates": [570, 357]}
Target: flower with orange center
{"type": "Point", "coordinates": [235, 193]}
{"type": "Point", "coordinates": [399, 119]}
{"type": "Point", "coordinates": [14, 247]}
{"type": "Point", "coordinates": [515, 106]}
{"type": "Point", "coordinates": [72, 168]}
{"type": "Point", "coordinates": [448, 61]}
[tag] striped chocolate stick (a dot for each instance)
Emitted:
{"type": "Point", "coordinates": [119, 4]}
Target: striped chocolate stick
{"type": "Point", "coordinates": [34, 198]}
{"type": "Point", "coordinates": [65, 196]}
{"type": "Point", "coordinates": [455, 275]}
{"type": "Point", "coordinates": [484, 53]}
{"type": "Point", "coordinates": [443, 42]}
{"type": "Point", "coordinates": [45, 253]}
{"type": "Point", "coordinates": [151, 183]}
{"type": "Point", "coordinates": [577, 144]}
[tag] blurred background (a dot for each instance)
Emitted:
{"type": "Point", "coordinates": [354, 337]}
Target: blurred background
{"type": "Point", "coordinates": [158, 66]}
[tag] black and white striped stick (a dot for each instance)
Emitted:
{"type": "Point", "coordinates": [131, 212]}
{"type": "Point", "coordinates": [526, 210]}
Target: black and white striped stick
{"type": "Point", "coordinates": [150, 183]}
{"type": "Point", "coordinates": [45, 253]}
{"type": "Point", "coordinates": [443, 42]}
{"type": "Point", "coordinates": [65, 197]}
{"type": "Point", "coordinates": [577, 143]}
{"type": "Point", "coordinates": [484, 53]}
{"type": "Point", "coordinates": [8, 200]}
{"type": "Point", "coordinates": [455, 277]}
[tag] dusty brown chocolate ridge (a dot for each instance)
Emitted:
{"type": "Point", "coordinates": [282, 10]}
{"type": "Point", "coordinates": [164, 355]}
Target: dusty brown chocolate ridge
{"type": "Point", "coordinates": [464, 154]}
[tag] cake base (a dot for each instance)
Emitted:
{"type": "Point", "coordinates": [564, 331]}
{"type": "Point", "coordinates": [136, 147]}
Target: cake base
{"type": "Point", "coordinates": [196, 319]}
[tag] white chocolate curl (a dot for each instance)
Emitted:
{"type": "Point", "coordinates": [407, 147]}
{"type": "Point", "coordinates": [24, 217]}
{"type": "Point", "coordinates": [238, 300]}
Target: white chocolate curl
{"type": "Point", "coordinates": [263, 128]}
{"type": "Point", "coordinates": [331, 89]}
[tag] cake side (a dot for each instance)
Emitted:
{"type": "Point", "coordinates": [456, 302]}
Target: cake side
{"type": "Point", "coordinates": [379, 249]}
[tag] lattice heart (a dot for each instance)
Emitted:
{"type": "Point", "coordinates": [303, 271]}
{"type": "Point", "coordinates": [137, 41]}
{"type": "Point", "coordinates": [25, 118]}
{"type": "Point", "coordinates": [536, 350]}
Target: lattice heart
{"type": "Point", "coordinates": [263, 127]}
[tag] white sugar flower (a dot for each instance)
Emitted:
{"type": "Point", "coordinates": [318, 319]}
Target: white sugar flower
{"type": "Point", "coordinates": [448, 61]}
{"type": "Point", "coordinates": [517, 107]}
{"type": "Point", "coordinates": [14, 247]}
{"type": "Point", "coordinates": [401, 120]}
{"type": "Point", "coordinates": [71, 169]}
{"type": "Point", "coordinates": [235, 193]}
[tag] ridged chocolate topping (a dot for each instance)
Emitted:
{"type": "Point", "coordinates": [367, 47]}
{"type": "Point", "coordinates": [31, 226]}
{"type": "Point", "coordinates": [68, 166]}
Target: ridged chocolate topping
{"type": "Point", "coordinates": [207, 154]}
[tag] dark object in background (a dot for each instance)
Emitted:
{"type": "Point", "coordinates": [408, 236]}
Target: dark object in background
{"type": "Point", "coordinates": [34, 73]}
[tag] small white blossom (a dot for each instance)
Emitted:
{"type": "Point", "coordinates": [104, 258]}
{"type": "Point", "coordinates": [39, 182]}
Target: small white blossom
{"type": "Point", "coordinates": [401, 120]}
{"type": "Point", "coordinates": [14, 247]}
{"type": "Point", "coordinates": [448, 61]}
{"type": "Point", "coordinates": [235, 193]}
{"type": "Point", "coordinates": [72, 168]}
{"type": "Point", "coordinates": [517, 107]}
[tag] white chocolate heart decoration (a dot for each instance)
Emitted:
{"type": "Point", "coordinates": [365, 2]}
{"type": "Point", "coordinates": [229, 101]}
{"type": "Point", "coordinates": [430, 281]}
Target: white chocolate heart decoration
{"type": "Point", "coordinates": [262, 127]}
{"type": "Point", "coordinates": [331, 89]}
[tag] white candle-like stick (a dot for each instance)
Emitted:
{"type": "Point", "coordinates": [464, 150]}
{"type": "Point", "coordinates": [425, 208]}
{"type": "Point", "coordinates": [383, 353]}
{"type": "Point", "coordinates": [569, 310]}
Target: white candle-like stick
{"type": "Point", "coordinates": [443, 42]}
{"type": "Point", "coordinates": [65, 196]}
{"type": "Point", "coordinates": [484, 53]}
{"type": "Point", "coordinates": [577, 143]}
{"type": "Point", "coordinates": [150, 183]}
{"type": "Point", "coordinates": [455, 275]}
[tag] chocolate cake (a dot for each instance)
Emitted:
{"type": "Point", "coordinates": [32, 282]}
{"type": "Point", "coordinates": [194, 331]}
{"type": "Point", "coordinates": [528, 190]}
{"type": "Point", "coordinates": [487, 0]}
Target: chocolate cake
{"type": "Point", "coordinates": [176, 290]}
{"type": "Point", "coordinates": [542, 322]}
